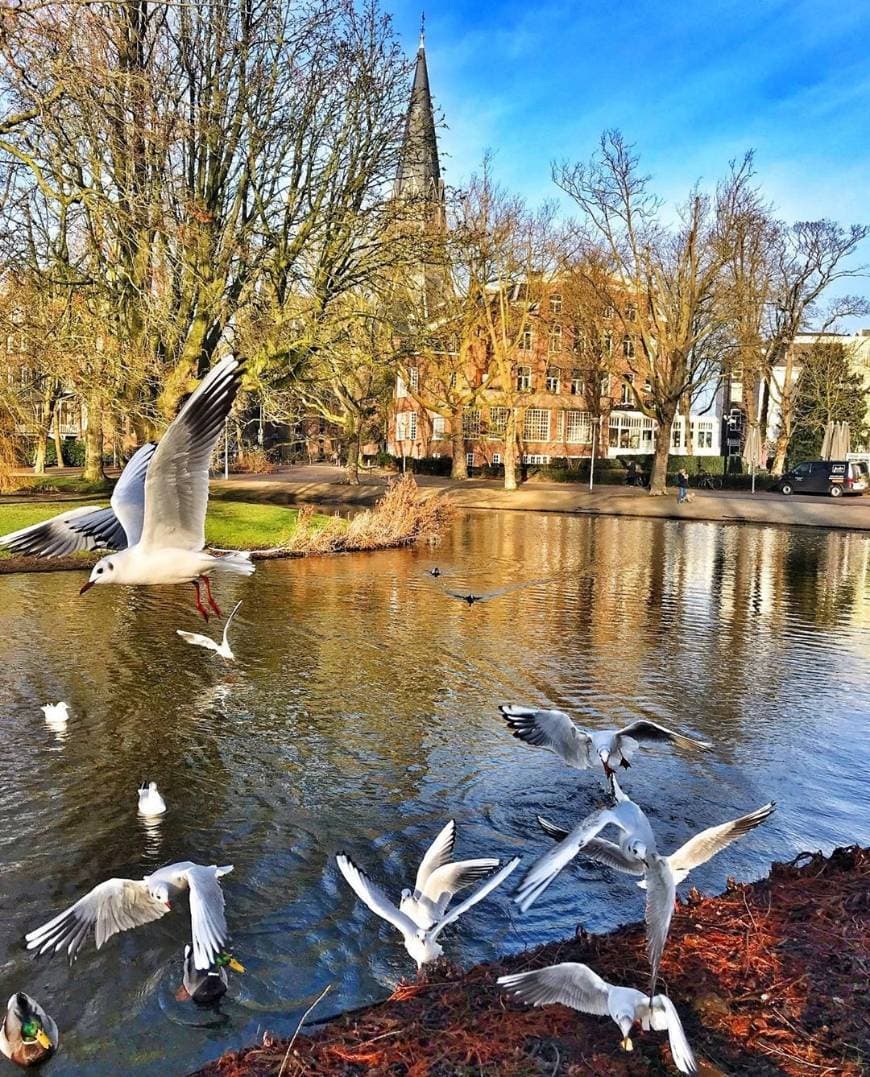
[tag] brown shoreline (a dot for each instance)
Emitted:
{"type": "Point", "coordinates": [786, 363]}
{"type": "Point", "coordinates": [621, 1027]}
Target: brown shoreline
{"type": "Point", "coordinates": [770, 978]}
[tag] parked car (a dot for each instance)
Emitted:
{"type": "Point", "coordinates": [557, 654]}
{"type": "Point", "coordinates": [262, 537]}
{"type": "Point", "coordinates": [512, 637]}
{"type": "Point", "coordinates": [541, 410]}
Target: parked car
{"type": "Point", "coordinates": [832, 477]}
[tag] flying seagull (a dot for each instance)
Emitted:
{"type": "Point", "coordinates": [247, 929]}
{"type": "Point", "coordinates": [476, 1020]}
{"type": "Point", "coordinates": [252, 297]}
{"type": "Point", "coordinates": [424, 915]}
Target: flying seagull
{"type": "Point", "coordinates": [577, 986]}
{"type": "Point", "coordinates": [156, 521]}
{"type": "Point", "coordinates": [421, 943]}
{"type": "Point", "coordinates": [637, 845]}
{"type": "Point", "coordinates": [696, 851]}
{"type": "Point", "coordinates": [222, 648]}
{"type": "Point", "coordinates": [582, 748]}
{"type": "Point", "coordinates": [119, 904]}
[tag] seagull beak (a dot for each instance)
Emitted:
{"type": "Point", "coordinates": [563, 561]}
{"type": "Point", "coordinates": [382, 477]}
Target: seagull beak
{"type": "Point", "coordinates": [236, 966]}
{"type": "Point", "coordinates": [42, 1039]}
{"type": "Point", "coordinates": [87, 587]}
{"type": "Point", "coordinates": [168, 904]}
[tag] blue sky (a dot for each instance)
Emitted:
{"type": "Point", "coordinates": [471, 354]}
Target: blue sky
{"type": "Point", "coordinates": [691, 84]}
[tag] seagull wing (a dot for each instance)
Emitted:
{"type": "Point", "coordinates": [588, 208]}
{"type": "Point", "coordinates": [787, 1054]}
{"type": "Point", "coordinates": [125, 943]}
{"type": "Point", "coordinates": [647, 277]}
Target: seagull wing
{"type": "Point", "coordinates": [227, 625]}
{"type": "Point", "coordinates": [643, 729]}
{"type": "Point", "coordinates": [703, 846]}
{"type": "Point", "coordinates": [438, 853]}
{"type": "Point", "coordinates": [605, 852]}
{"type": "Point", "coordinates": [491, 883]}
{"type": "Point", "coordinates": [661, 892]}
{"type": "Point", "coordinates": [663, 1015]}
{"type": "Point", "coordinates": [113, 906]}
{"type": "Point", "coordinates": [372, 895]}
{"type": "Point", "coordinates": [176, 485]}
{"type": "Point", "coordinates": [128, 497]}
{"type": "Point", "coordinates": [449, 879]}
{"type": "Point", "coordinates": [549, 729]}
{"type": "Point", "coordinates": [570, 983]}
{"type": "Point", "coordinates": [544, 870]}
{"type": "Point", "coordinates": [85, 528]}
{"type": "Point", "coordinates": [557, 833]}
{"type": "Point", "coordinates": [207, 920]}
{"type": "Point", "coordinates": [198, 640]}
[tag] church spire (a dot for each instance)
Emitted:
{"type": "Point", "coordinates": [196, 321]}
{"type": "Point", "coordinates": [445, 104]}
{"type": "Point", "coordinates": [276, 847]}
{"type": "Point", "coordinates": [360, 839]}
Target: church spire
{"type": "Point", "coordinates": [419, 172]}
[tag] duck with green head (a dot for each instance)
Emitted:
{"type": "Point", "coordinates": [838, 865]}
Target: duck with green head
{"type": "Point", "coordinates": [28, 1035]}
{"type": "Point", "coordinates": [209, 985]}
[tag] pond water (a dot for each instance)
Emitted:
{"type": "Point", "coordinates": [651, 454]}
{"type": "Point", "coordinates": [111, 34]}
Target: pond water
{"type": "Point", "coordinates": [361, 715]}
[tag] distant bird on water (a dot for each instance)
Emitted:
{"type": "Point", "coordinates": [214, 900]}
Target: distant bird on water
{"type": "Point", "coordinates": [577, 986]}
{"type": "Point", "coordinates": [581, 748]}
{"type": "Point", "coordinates": [222, 649]}
{"type": "Point", "coordinates": [56, 715]}
{"type": "Point", "coordinates": [151, 803]}
{"type": "Point", "coordinates": [28, 1036]}
{"type": "Point", "coordinates": [156, 521]}
{"type": "Point", "coordinates": [436, 571]}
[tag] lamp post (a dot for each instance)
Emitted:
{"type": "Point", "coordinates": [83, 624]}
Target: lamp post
{"type": "Point", "coordinates": [592, 457]}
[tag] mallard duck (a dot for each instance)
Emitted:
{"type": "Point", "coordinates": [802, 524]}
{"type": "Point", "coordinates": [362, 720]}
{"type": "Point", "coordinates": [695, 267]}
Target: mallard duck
{"type": "Point", "coordinates": [208, 986]}
{"type": "Point", "coordinates": [28, 1036]}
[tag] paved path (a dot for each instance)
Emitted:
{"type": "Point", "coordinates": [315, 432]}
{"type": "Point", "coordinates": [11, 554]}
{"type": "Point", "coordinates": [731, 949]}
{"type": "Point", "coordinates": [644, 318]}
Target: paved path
{"type": "Point", "coordinates": [324, 484]}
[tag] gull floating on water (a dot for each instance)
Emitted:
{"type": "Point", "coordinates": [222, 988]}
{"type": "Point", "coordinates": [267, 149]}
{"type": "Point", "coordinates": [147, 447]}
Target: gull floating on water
{"type": "Point", "coordinates": [222, 648]}
{"type": "Point", "coordinates": [56, 715]}
{"type": "Point", "coordinates": [582, 748]}
{"type": "Point", "coordinates": [156, 521]}
{"type": "Point", "coordinates": [28, 1036]}
{"type": "Point", "coordinates": [119, 904]}
{"type": "Point", "coordinates": [151, 803]}
{"type": "Point", "coordinates": [696, 851]}
{"type": "Point", "coordinates": [205, 986]}
{"type": "Point", "coordinates": [420, 942]}
{"type": "Point", "coordinates": [577, 986]}
{"type": "Point", "coordinates": [637, 844]}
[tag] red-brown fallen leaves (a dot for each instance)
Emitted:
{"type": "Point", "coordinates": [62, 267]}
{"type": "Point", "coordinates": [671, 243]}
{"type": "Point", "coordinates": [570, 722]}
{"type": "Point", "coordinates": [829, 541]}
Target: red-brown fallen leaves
{"type": "Point", "coordinates": [770, 978]}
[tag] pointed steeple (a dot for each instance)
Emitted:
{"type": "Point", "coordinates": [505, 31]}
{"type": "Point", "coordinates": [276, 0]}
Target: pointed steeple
{"type": "Point", "coordinates": [419, 172]}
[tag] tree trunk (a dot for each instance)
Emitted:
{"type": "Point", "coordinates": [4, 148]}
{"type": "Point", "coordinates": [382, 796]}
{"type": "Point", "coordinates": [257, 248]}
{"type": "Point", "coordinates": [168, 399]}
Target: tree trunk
{"type": "Point", "coordinates": [782, 441]}
{"type": "Point", "coordinates": [58, 437]}
{"type": "Point", "coordinates": [510, 452]}
{"type": "Point", "coordinates": [41, 451]}
{"type": "Point", "coordinates": [458, 465]}
{"type": "Point", "coordinates": [352, 464]}
{"type": "Point", "coordinates": [658, 479]}
{"type": "Point", "coordinates": [93, 471]}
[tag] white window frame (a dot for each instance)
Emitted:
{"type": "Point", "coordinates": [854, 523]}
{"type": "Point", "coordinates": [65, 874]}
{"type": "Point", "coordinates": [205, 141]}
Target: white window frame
{"type": "Point", "coordinates": [556, 303]}
{"type": "Point", "coordinates": [627, 347]}
{"type": "Point", "coordinates": [469, 459]}
{"type": "Point", "coordinates": [578, 427]}
{"type": "Point", "coordinates": [524, 379]}
{"type": "Point", "coordinates": [554, 345]}
{"type": "Point", "coordinates": [496, 427]}
{"type": "Point", "coordinates": [553, 384]}
{"type": "Point", "coordinates": [535, 458]}
{"type": "Point", "coordinates": [496, 458]}
{"type": "Point", "coordinates": [604, 387]}
{"type": "Point", "coordinates": [470, 423]}
{"type": "Point", "coordinates": [578, 340]}
{"type": "Point", "coordinates": [631, 312]}
{"type": "Point", "coordinates": [536, 424]}
{"type": "Point", "coordinates": [626, 396]}
{"type": "Point", "coordinates": [438, 433]}
{"type": "Point", "coordinates": [401, 387]}
{"type": "Point", "coordinates": [607, 344]}
{"type": "Point", "coordinates": [414, 379]}
{"type": "Point", "coordinates": [526, 340]}
{"type": "Point", "coordinates": [578, 385]}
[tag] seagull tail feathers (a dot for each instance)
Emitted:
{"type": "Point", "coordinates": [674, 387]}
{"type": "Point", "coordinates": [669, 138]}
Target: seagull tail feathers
{"type": "Point", "coordinates": [237, 562]}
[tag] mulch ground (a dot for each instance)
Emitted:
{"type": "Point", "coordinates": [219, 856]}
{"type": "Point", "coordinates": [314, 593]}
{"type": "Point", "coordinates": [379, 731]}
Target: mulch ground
{"type": "Point", "coordinates": [770, 978]}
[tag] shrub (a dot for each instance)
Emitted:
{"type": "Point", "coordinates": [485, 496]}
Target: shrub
{"type": "Point", "coordinates": [253, 462]}
{"type": "Point", "coordinates": [713, 465]}
{"type": "Point", "coordinates": [424, 465]}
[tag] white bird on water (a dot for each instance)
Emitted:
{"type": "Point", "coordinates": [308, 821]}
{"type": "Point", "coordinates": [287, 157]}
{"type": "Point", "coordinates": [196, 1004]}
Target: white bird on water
{"type": "Point", "coordinates": [119, 904]}
{"type": "Point", "coordinates": [577, 986]}
{"type": "Point", "coordinates": [581, 748]}
{"type": "Point", "coordinates": [696, 851]}
{"type": "Point", "coordinates": [420, 942]}
{"type": "Point", "coordinates": [156, 521]}
{"type": "Point", "coordinates": [637, 844]}
{"type": "Point", "coordinates": [222, 648]}
{"type": "Point", "coordinates": [151, 803]}
{"type": "Point", "coordinates": [56, 715]}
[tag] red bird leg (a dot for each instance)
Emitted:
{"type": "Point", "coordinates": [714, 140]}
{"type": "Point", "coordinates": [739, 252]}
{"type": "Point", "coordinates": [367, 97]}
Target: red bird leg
{"type": "Point", "coordinates": [211, 601]}
{"type": "Point", "coordinates": [199, 604]}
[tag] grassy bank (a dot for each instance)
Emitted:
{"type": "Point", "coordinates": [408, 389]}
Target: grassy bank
{"type": "Point", "coordinates": [769, 978]}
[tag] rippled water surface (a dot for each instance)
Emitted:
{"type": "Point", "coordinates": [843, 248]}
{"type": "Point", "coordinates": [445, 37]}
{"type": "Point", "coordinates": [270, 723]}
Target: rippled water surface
{"type": "Point", "coordinates": [361, 714]}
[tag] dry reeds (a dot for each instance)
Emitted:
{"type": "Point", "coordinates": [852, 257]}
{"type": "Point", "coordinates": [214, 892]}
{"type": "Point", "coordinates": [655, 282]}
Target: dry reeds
{"type": "Point", "coordinates": [253, 462]}
{"type": "Point", "coordinates": [402, 517]}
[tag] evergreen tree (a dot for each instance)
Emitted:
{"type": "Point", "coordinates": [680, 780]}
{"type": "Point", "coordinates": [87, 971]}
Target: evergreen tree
{"type": "Point", "coordinates": [829, 390]}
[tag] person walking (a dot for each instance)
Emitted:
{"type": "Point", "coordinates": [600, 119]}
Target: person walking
{"type": "Point", "coordinates": [682, 486]}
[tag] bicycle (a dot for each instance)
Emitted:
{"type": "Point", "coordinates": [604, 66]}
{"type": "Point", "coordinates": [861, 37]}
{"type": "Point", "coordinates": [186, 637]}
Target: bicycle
{"type": "Point", "coordinates": [709, 482]}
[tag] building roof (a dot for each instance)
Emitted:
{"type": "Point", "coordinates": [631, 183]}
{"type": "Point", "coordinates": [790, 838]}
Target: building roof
{"type": "Point", "coordinates": [419, 171]}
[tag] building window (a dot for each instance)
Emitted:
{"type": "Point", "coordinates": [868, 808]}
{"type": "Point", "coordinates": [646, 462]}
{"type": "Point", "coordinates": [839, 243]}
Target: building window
{"type": "Point", "coordinates": [703, 434]}
{"type": "Point", "coordinates": [578, 340]}
{"type": "Point", "coordinates": [605, 385]}
{"type": "Point", "coordinates": [524, 379]}
{"type": "Point", "coordinates": [627, 347]}
{"type": "Point", "coordinates": [626, 395]}
{"type": "Point", "coordinates": [609, 310]}
{"type": "Point", "coordinates": [537, 425]}
{"type": "Point", "coordinates": [526, 340]}
{"type": "Point", "coordinates": [629, 430]}
{"type": "Point", "coordinates": [631, 312]}
{"type": "Point", "coordinates": [576, 383]}
{"type": "Point", "coordinates": [578, 428]}
{"type": "Point", "coordinates": [414, 379]}
{"type": "Point", "coordinates": [535, 458]}
{"type": "Point", "coordinates": [401, 387]}
{"type": "Point", "coordinates": [608, 344]}
{"type": "Point", "coordinates": [555, 303]}
{"type": "Point", "coordinates": [677, 433]}
{"type": "Point", "coordinates": [471, 422]}
{"type": "Point", "coordinates": [498, 418]}
{"type": "Point", "coordinates": [406, 426]}
{"type": "Point", "coordinates": [496, 458]}
{"type": "Point", "coordinates": [469, 459]}
{"type": "Point", "coordinates": [554, 378]}
{"type": "Point", "coordinates": [555, 338]}
{"type": "Point", "coordinates": [437, 427]}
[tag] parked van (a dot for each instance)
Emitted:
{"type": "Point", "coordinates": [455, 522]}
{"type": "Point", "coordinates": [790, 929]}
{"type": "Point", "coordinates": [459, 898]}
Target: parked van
{"type": "Point", "coordinates": [832, 477]}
